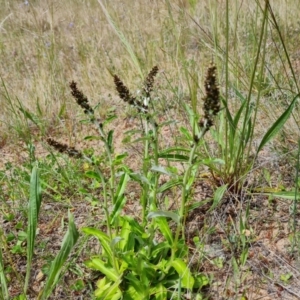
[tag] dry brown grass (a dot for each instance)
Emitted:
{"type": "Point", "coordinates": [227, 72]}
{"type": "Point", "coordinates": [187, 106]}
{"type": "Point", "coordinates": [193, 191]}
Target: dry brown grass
{"type": "Point", "coordinates": [46, 44]}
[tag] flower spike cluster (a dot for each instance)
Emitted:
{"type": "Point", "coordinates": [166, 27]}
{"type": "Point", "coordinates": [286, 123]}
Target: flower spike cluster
{"type": "Point", "coordinates": [123, 91]}
{"type": "Point", "coordinates": [81, 99]}
{"type": "Point", "coordinates": [211, 100]}
{"type": "Point", "coordinates": [149, 81]}
{"type": "Point", "coordinates": [126, 96]}
{"type": "Point", "coordinates": [62, 148]}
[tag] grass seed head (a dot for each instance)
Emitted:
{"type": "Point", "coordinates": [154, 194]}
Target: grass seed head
{"type": "Point", "coordinates": [211, 100]}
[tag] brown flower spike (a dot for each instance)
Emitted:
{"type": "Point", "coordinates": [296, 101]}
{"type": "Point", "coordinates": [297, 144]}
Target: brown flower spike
{"type": "Point", "coordinates": [81, 99]}
{"type": "Point", "coordinates": [126, 96]}
{"type": "Point", "coordinates": [149, 81]}
{"type": "Point", "coordinates": [62, 148]}
{"type": "Point", "coordinates": [123, 90]}
{"type": "Point", "coordinates": [211, 104]}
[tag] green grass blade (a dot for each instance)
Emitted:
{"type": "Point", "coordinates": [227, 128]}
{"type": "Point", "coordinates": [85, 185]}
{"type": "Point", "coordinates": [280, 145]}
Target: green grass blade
{"type": "Point", "coordinates": [238, 115]}
{"type": "Point", "coordinates": [3, 291]}
{"type": "Point", "coordinates": [277, 125]}
{"type": "Point", "coordinates": [29, 116]}
{"type": "Point", "coordinates": [35, 199]}
{"type": "Point", "coordinates": [284, 195]}
{"type": "Point", "coordinates": [123, 39]}
{"type": "Point", "coordinates": [68, 243]}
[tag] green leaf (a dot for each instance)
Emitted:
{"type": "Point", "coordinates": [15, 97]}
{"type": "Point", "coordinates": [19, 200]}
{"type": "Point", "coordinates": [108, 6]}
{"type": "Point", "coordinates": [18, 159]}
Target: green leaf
{"type": "Point", "coordinates": [212, 161]}
{"type": "Point", "coordinates": [244, 256]}
{"type": "Point", "coordinates": [3, 290]}
{"type": "Point", "coordinates": [219, 193]}
{"type": "Point", "coordinates": [192, 119]}
{"type": "Point", "coordinates": [162, 170]}
{"type": "Point", "coordinates": [187, 280]}
{"type": "Point", "coordinates": [35, 200]}
{"type": "Point", "coordinates": [173, 156]}
{"type": "Point", "coordinates": [109, 118]}
{"type": "Point", "coordinates": [122, 185]}
{"type": "Point", "coordinates": [119, 159]}
{"type": "Point", "coordinates": [140, 291]}
{"type": "Point", "coordinates": [20, 297]}
{"type": "Point", "coordinates": [139, 178]}
{"type": "Point", "coordinates": [92, 138]}
{"type": "Point", "coordinates": [120, 199]}
{"type": "Point", "coordinates": [165, 229]}
{"type": "Point", "coordinates": [166, 214]}
{"type": "Point", "coordinates": [160, 250]}
{"type": "Point", "coordinates": [135, 226]}
{"type": "Point", "coordinates": [200, 281]}
{"type": "Point", "coordinates": [106, 290]}
{"type": "Point", "coordinates": [68, 243]}
{"type": "Point", "coordinates": [277, 125]}
{"type": "Point", "coordinates": [286, 277]}
{"type": "Point", "coordinates": [100, 265]}
{"type": "Point", "coordinates": [176, 149]}
{"type": "Point", "coordinates": [186, 133]}
{"type": "Point", "coordinates": [284, 195]}
{"type": "Point", "coordinates": [93, 175]}
{"type": "Point", "coordinates": [159, 292]}
{"type": "Point", "coordinates": [132, 294]}
{"type": "Point", "coordinates": [104, 241]}
{"type": "Point", "coordinates": [142, 139]}
{"type": "Point", "coordinates": [169, 184]}
{"type": "Point", "coordinates": [126, 244]}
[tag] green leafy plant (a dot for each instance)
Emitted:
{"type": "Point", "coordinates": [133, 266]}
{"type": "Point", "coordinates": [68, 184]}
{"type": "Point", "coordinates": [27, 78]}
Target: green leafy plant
{"type": "Point", "coordinates": [137, 266]}
{"type": "Point", "coordinates": [139, 261]}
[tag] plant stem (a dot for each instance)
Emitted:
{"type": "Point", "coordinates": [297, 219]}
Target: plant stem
{"type": "Point", "coordinates": [156, 174]}
{"type": "Point", "coordinates": [109, 156]}
{"type": "Point", "coordinates": [145, 171]}
{"type": "Point", "coordinates": [185, 193]}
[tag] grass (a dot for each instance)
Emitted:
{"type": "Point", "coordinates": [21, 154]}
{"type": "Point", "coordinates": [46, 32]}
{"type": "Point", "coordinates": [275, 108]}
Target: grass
{"type": "Point", "coordinates": [180, 180]}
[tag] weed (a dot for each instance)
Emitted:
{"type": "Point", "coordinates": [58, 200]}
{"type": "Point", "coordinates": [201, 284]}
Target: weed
{"type": "Point", "coordinates": [130, 252]}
